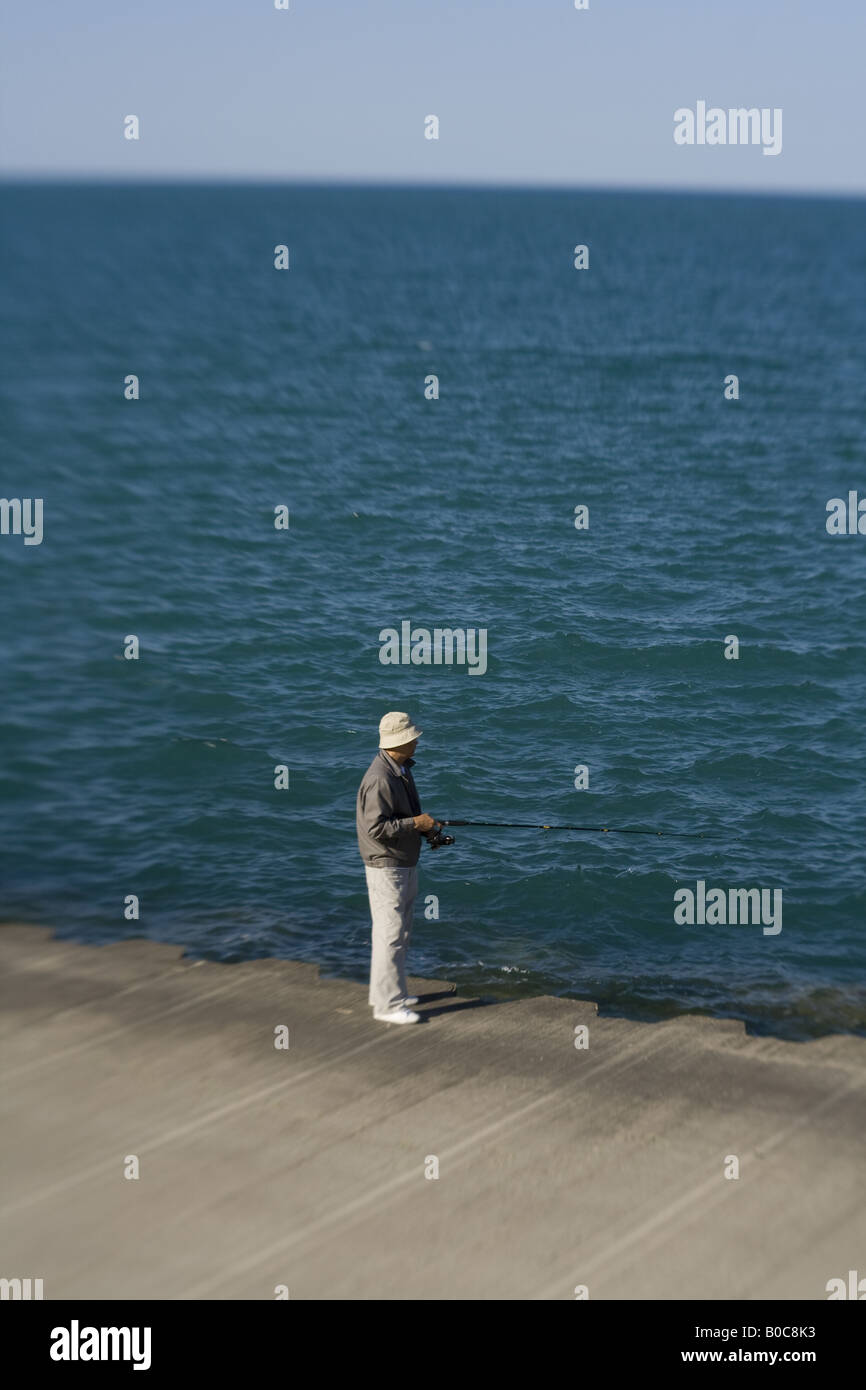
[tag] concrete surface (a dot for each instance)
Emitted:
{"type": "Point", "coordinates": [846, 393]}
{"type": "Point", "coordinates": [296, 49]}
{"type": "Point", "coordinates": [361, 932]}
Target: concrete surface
{"type": "Point", "coordinates": [305, 1167]}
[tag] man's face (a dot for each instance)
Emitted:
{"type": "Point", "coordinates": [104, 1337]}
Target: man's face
{"type": "Point", "coordinates": [405, 751]}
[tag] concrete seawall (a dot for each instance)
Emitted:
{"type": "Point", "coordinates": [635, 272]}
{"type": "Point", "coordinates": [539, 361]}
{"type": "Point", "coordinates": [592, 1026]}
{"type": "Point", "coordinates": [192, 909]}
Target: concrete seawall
{"type": "Point", "coordinates": [305, 1167]}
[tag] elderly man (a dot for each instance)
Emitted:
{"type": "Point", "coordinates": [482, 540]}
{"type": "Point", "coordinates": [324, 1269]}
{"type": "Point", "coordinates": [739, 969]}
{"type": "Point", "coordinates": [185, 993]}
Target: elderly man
{"type": "Point", "coordinates": [390, 824]}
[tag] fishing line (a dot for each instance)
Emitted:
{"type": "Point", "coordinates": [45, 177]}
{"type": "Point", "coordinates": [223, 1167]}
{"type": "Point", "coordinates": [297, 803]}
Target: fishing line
{"type": "Point", "coordinates": [586, 829]}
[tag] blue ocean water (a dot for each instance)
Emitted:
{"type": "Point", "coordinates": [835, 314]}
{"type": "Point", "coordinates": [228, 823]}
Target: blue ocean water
{"type": "Point", "coordinates": [606, 646]}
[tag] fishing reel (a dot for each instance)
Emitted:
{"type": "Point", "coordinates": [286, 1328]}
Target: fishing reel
{"type": "Point", "coordinates": [437, 837]}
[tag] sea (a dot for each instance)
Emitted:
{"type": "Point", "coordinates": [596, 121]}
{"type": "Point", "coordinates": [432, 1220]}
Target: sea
{"type": "Point", "coordinates": [619, 474]}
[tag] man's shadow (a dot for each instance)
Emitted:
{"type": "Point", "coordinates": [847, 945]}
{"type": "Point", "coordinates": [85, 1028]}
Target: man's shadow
{"type": "Point", "coordinates": [454, 1004]}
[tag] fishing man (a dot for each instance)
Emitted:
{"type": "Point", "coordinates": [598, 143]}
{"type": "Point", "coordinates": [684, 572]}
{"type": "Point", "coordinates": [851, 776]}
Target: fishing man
{"type": "Point", "coordinates": [390, 824]}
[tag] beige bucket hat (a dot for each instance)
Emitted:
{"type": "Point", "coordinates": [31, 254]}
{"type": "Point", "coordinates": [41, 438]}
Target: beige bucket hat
{"type": "Point", "coordinates": [395, 729]}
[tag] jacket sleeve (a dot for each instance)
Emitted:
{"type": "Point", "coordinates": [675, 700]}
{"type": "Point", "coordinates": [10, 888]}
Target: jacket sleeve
{"type": "Point", "coordinates": [377, 814]}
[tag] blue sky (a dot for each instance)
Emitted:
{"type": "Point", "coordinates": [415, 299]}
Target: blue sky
{"type": "Point", "coordinates": [526, 91]}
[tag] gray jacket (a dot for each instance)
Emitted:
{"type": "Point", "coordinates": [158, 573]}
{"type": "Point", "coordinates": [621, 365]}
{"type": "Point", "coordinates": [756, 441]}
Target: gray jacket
{"type": "Point", "coordinates": [387, 803]}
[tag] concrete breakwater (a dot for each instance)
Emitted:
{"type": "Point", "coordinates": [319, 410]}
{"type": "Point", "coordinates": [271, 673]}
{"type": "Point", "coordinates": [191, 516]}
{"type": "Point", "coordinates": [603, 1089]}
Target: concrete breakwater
{"type": "Point", "coordinates": [179, 1129]}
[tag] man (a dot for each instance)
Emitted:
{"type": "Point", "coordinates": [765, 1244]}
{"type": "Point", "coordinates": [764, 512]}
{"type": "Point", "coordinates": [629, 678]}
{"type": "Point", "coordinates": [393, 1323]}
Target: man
{"type": "Point", "coordinates": [390, 824]}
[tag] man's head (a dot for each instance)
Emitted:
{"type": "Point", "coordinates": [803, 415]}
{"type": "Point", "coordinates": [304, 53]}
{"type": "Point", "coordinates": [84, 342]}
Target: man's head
{"type": "Point", "coordinates": [398, 736]}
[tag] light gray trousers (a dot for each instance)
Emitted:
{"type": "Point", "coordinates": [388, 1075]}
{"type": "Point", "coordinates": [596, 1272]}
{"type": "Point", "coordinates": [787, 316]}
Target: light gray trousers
{"type": "Point", "coordinates": [392, 891]}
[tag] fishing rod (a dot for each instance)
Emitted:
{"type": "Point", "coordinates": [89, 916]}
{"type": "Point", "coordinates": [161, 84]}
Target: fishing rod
{"type": "Point", "coordinates": [435, 839]}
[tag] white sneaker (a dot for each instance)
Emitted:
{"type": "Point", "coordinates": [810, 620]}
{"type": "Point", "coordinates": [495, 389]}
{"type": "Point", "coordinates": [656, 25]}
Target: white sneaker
{"type": "Point", "coordinates": [409, 1000]}
{"type": "Point", "coordinates": [398, 1015]}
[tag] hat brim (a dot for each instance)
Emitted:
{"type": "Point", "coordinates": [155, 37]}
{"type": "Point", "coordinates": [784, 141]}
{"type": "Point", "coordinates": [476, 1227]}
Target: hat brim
{"type": "Point", "coordinates": [399, 740]}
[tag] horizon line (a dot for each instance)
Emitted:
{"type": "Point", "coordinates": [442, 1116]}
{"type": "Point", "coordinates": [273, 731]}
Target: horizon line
{"type": "Point", "coordinates": [82, 178]}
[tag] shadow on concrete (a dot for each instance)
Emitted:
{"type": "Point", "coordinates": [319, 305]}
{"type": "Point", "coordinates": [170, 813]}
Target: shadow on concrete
{"type": "Point", "coordinates": [436, 994]}
{"type": "Point", "coordinates": [456, 1006]}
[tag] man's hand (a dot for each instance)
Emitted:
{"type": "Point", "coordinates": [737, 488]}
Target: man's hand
{"type": "Point", "coordinates": [424, 823]}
